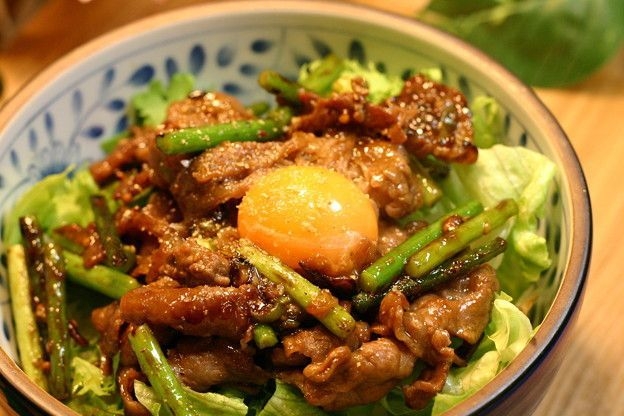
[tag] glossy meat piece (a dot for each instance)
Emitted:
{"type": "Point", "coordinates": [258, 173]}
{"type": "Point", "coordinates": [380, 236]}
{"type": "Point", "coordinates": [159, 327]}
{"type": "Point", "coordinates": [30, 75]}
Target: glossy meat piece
{"type": "Point", "coordinates": [349, 111]}
{"type": "Point", "coordinates": [460, 308]}
{"type": "Point", "coordinates": [407, 333]}
{"type": "Point", "coordinates": [225, 173]}
{"type": "Point", "coordinates": [114, 331]}
{"type": "Point", "coordinates": [381, 169]}
{"type": "Point", "coordinates": [189, 262]}
{"type": "Point", "coordinates": [344, 378]}
{"type": "Point", "coordinates": [435, 120]}
{"type": "Point", "coordinates": [139, 148]}
{"type": "Point", "coordinates": [125, 380]}
{"type": "Point", "coordinates": [427, 117]}
{"type": "Point", "coordinates": [200, 311]}
{"type": "Point", "coordinates": [205, 362]}
{"type": "Point", "coordinates": [202, 108]}
{"type": "Point", "coordinates": [154, 220]}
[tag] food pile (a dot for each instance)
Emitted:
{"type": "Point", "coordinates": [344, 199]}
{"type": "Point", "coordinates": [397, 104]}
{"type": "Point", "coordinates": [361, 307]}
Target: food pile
{"type": "Point", "coordinates": [316, 254]}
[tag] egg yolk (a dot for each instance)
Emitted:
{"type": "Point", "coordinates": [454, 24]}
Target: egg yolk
{"type": "Point", "coordinates": [312, 216]}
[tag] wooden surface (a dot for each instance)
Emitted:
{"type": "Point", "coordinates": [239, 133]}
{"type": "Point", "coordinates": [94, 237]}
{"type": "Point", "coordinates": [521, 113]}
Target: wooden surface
{"type": "Point", "coordinates": [591, 379]}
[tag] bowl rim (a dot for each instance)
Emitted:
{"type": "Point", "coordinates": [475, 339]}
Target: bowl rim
{"type": "Point", "coordinates": [565, 307]}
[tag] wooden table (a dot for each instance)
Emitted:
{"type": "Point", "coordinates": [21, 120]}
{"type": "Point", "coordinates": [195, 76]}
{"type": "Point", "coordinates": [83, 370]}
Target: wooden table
{"type": "Point", "coordinates": [591, 379]}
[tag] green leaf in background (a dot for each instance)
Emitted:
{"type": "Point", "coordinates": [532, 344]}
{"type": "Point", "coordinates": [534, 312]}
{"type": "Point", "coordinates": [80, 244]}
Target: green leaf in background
{"type": "Point", "coordinates": [546, 43]}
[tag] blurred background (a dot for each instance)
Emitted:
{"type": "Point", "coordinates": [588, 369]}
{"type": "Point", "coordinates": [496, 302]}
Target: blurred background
{"type": "Point", "coordinates": [34, 33]}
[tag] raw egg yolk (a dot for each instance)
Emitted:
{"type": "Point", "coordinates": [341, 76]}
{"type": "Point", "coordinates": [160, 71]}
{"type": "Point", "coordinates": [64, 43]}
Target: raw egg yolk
{"type": "Point", "coordinates": [312, 216]}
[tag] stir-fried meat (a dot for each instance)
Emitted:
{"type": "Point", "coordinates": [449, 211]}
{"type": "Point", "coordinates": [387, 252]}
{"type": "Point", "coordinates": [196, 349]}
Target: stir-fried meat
{"type": "Point", "coordinates": [390, 236]}
{"type": "Point", "coordinates": [350, 111]}
{"type": "Point", "coordinates": [132, 185]}
{"type": "Point", "coordinates": [114, 331]}
{"type": "Point", "coordinates": [345, 378]}
{"type": "Point", "coordinates": [125, 380]}
{"type": "Point", "coordinates": [155, 220]}
{"type": "Point", "coordinates": [460, 308]}
{"type": "Point", "coordinates": [408, 332]}
{"type": "Point", "coordinates": [379, 168]}
{"type": "Point", "coordinates": [140, 149]}
{"type": "Point", "coordinates": [202, 108]}
{"type": "Point", "coordinates": [225, 173]}
{"type": "Point", "coordinates": [197, 290]}
{"type": "Point", "coordinates": [205, 362]}
{"type": "Point", "coordinates": [435, 119]}
{"type": "Point", "coordinates": [189, 262]}
{"type": "Point", "coordinates": [309, 344]}
{"type": "Point", "coordinates": [88, 239]}
{"type": "Point", "coordinates": [200, 311]}
{"type": "Point", "coordinates": [427, 117]}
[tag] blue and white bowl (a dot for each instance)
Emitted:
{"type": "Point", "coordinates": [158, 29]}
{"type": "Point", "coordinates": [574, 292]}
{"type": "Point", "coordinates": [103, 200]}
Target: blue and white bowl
{"type": "Point", "coordinates": [62, 116]}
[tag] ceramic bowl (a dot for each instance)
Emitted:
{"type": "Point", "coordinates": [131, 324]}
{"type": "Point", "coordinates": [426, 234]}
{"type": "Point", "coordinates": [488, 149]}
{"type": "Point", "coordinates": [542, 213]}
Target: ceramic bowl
{"type": "Point", "coordinates": [61, 117]}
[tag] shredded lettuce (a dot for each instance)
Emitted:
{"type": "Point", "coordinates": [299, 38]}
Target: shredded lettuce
{"type": "Point", "coordinates": [93, 392]}
{"type": "Point", "coordinates": [148, 398]}
{"type": "Point", "coordinates": [526, 176]}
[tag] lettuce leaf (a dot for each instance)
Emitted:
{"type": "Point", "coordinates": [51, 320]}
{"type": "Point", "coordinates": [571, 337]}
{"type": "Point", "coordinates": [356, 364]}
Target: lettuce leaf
{"type": "Point", "coordinates": [547, 43]}
{"type": "Point", "coordinates": [508, 332]}
{"type": "Point", "coordinates": [209, 403]}
{"type": "Point", "coordinates": [380, 85]}
{"type": "Point", "coordinates": [93, 392]}
{"type": "Point", "coordinates": [287, 400]}
{"type": "Point", "coordinates": [57, 199]}
{"type": "Point", "coordinates": [526, 176]}
{"type": "Point", "coordinates": [149, 108]}
{"type": "Point", "coordinates": [487, 121]}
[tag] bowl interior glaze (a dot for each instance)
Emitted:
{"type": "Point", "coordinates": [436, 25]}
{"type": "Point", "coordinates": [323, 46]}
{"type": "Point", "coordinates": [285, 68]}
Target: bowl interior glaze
{"type": "Point", "coordinates": [62, 116]}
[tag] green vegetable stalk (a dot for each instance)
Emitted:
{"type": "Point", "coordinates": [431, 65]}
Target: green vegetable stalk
{"type": "Point", "coordinates": [59, 381]}
{"type": "Point", "coordinates": [32, 237]}
{"type": "Point", "coordinates": [159, 373]}
{"type": "Point", "coordinates": [451, 269]}
{"type": "Point", "coordinates": [385, 269]}
{"type": "Point", "coordinates": [318, 78]}
{"type": "Point", "coordinates": [167, 387]}
{"type": "Point", "coordinates": [104, 222]}
{"type": "Point", "coordinates": [102, 279]}
{"type": "Point", "coordinates": [26, 330]}
{"type": "Point", "coordinates": [446, 246]}
{"type": "Point", "coordinates": [194, 139]}
{"type": "Point", "coordinates": [335, 318]}
{"type": "Point", "coordinates": [284, 89]}
{"type": "Point", "coordinates": [264, 336]}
